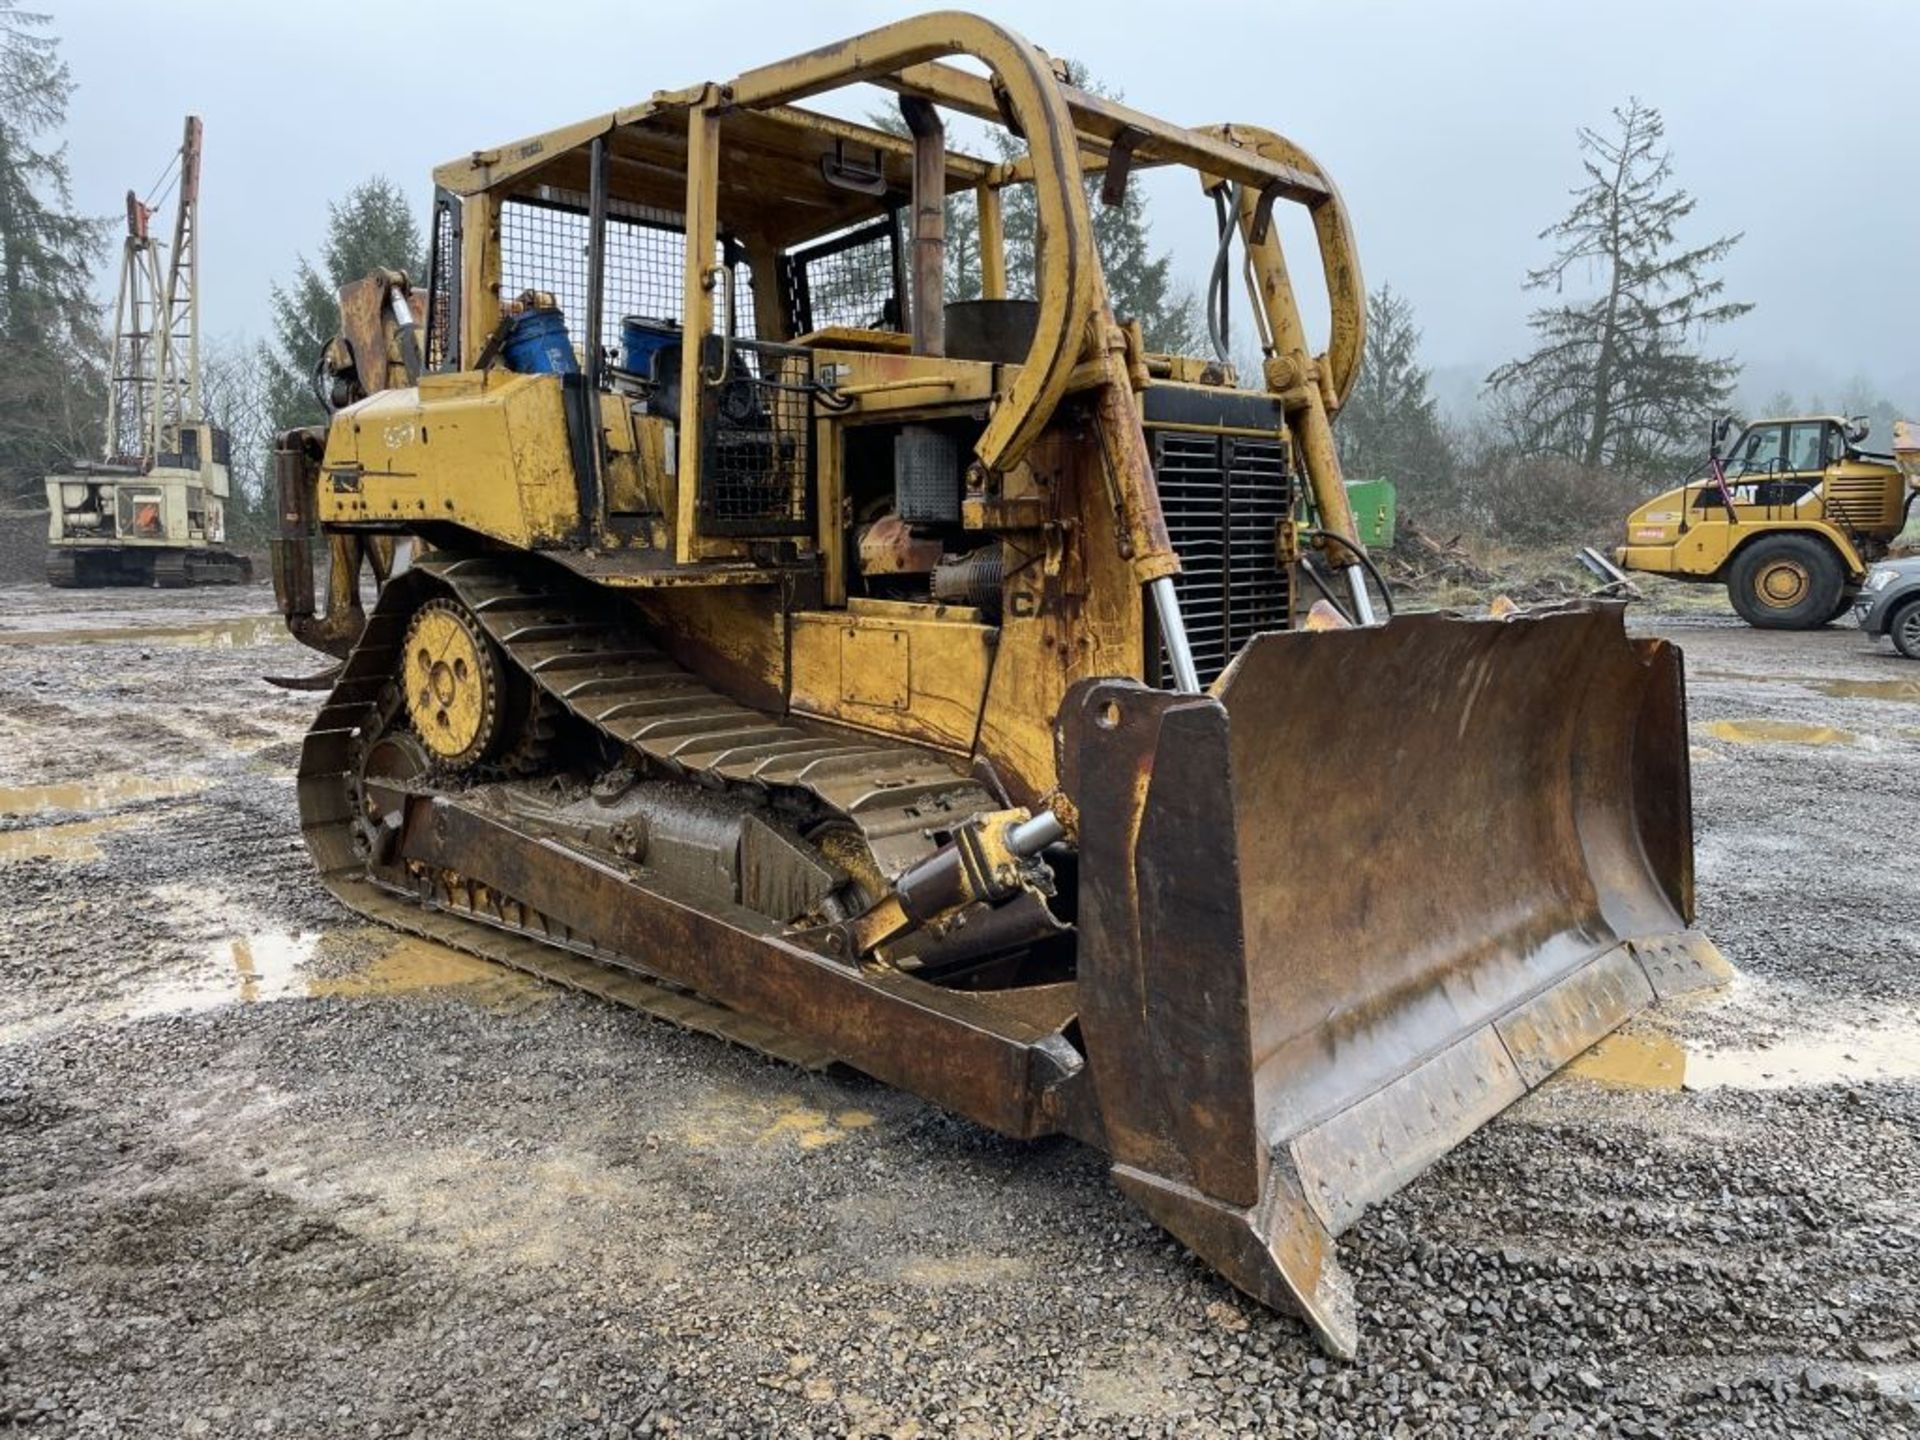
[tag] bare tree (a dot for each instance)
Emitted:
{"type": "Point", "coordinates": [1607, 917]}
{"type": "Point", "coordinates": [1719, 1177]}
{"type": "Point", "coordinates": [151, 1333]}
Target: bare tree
{"type": "Point", "coordinates": [236, 393]}
{"type": "Point", "coordinates": [1615, 380]}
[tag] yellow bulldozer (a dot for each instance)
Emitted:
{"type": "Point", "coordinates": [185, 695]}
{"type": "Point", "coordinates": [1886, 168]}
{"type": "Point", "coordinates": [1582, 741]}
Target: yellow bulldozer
{"type": "Point", "coordinates": [766, 642]}
{"type": "Point", "coordinates": [1789, 518]}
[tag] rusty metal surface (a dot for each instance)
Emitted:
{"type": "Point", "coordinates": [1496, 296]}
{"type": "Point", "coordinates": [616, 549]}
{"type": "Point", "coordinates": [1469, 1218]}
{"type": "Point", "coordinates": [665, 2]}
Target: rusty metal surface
{"type": "Point", "coordinates": [1265, 1044]}
{"type": "Point", "coordinates": [475, 878]}
{"type": "Point", "coordinates": [1508, 803]}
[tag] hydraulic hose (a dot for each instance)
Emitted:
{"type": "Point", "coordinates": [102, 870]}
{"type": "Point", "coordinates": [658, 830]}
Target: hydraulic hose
{"type": "Point", "coordinates": [1366, 561]}
{"type": "Point", "coordinates": [1226, 204]}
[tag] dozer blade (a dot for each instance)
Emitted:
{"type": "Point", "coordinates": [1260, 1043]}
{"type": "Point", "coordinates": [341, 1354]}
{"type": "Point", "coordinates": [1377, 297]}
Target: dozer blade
{"type": "Point", "coordinates": [1339, 913]}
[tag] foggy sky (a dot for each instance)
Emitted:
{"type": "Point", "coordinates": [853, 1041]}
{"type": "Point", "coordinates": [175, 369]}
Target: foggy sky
{"type": "Point", "coordinates": [1450, 128]}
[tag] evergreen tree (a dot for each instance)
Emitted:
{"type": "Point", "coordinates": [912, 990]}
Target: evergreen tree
{"type": "Point", "coordinates": [52, 381]}
{"type": "Point", "coordinates": [1616, 380]}
{"type": "Point", "coordinates": [371, 229]}
{"type": "Point", "coordinates": [1390, 426]}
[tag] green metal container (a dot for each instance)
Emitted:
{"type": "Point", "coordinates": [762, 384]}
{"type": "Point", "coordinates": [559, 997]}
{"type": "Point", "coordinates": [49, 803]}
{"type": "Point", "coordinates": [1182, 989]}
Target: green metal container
{"type": "Point", "coordinates": [1374, 508]}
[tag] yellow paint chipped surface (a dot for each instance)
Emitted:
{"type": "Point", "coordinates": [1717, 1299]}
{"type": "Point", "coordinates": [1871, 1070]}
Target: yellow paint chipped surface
{"type": "Point", "coordinates": [1778, 732]}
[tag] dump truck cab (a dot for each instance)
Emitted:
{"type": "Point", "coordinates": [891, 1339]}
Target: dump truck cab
{"type": "Point", "coordinates": [914, 682]}
{"type": "Point", "coordinates": [1789, 521]}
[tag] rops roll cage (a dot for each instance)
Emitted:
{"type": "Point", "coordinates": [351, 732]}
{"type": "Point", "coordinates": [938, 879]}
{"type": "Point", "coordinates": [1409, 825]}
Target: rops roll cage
{"type": "Point", "coordinates": [1071, 134]}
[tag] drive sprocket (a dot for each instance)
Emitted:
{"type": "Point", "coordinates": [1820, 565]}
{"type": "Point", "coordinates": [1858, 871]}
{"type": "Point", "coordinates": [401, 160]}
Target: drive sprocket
{"type": "Point", "coordinates": [455, 685]}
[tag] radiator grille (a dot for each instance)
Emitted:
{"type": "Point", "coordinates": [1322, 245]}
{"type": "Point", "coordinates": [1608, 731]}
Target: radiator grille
{"type": "Point", "coordinates": [1871, 503]}
{"type": "Point", "coordinates": [1224, 497]}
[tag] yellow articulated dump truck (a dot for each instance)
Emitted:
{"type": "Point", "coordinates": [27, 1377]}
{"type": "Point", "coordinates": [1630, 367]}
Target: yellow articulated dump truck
{"type": "Point", "coordinates": [766, 643]}
{"type": "Point", "coordinates": [1789, 519]}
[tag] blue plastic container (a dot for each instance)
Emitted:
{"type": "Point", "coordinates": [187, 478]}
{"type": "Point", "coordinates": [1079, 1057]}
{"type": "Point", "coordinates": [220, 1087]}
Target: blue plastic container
{"type": "Point", "coordinates": [538, 345]}
{"type": "Point", "coordinates": [641, 339]}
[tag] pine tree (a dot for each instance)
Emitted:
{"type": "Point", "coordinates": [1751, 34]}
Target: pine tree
{"type": "Point", "coordinates": [1390, 426]}
{"type": "Point", "coordinates": [1616, 380]}
{"type": "Point", "coordinates": [52, 381]}
{"type": "Point", "coordinates": [371, 229]}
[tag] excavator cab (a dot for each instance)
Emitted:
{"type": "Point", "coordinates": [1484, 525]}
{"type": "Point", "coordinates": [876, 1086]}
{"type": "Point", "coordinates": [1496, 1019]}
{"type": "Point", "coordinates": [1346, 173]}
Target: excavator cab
{"type": "Point", "coordinates": [913, 684]}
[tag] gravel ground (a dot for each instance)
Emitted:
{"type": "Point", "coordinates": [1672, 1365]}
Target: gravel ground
{"type": "Point", "coordinates": [264, 1171]}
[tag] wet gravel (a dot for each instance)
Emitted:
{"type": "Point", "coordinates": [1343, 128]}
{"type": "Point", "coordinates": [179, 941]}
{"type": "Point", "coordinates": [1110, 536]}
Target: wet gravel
{"type": "Point", "coordinates": [232, 1207]}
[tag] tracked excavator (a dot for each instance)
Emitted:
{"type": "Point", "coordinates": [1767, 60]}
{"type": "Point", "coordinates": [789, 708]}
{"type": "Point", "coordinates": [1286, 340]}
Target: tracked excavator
{"type": "Point", "coordinates": [766, 643]}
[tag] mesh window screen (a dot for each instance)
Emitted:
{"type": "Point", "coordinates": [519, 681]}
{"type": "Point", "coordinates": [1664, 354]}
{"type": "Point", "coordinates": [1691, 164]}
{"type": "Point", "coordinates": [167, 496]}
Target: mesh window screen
{"type": "Point", "coordinates": [543, 246]}
{"type": "Point", "coordinates": [756, 449]}
{"type": "Point", "coordinates": [851, 280]}
{"type": "Point", "coordinates": [443, 288]}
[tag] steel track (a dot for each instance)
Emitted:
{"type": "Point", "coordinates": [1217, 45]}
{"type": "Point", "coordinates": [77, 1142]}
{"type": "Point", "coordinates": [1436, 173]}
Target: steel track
{"type": "Point", "coordinates": [573, 643]}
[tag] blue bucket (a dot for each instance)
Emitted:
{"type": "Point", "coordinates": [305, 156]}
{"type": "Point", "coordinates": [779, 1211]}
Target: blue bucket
{"type": "Point", "coordinates": [538, 345]}
{"type": "Point", "coordinates": [641, 339]}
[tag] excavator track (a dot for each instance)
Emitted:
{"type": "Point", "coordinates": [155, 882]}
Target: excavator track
{"type": "Point", "coordinates": [595, 663]}
{"type": "Point", "coordinates": [180, 569]}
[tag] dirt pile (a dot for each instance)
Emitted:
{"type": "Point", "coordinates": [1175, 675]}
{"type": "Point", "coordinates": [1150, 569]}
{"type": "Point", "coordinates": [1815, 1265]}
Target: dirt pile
{"type": "Point", "coordinates": [1449, 572]}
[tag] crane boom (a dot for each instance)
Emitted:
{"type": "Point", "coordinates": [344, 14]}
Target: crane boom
{"type": "Point", "coordinates": [182, 301]}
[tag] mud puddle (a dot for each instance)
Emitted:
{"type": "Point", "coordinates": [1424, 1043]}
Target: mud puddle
{"type": "Point", "coordinates": [208, 635]}
{"type": "Point", "coordinates": [101, 793]}
{"type": "Point", "coordinates": [1644, 1058]}
{"type": "Point", "coordinates": [737, 1119]}
{"type": "Point", "coordinates": [76, 841]}
{"type": "Point", "coordinates": [269, 966]}
{"type": "Point", "coordinates": [72, 843]}
{"type": "Point", "coordinates": [1905, 691]}
{"type": "Point", "coordinates": [1778, 732]}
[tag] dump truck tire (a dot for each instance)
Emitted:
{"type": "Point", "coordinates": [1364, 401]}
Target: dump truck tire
{"type": "Point", "coordinates": [1786, 582]}
{"type": "Point", "coordinates": [1904, 630]}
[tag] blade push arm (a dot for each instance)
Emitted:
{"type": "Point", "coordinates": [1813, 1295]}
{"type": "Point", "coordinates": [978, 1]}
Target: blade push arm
{"type": "Point", "coordinates": [1312, 388]}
